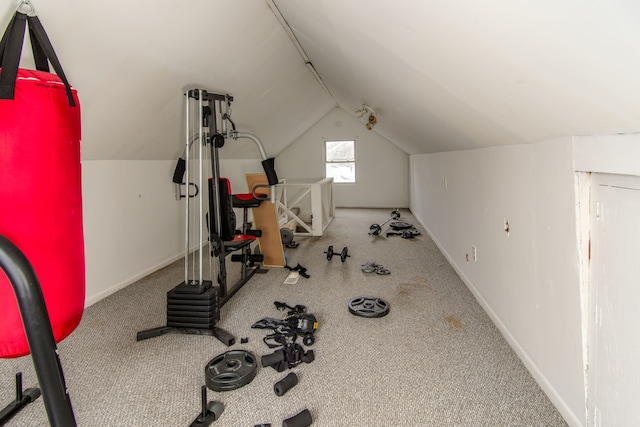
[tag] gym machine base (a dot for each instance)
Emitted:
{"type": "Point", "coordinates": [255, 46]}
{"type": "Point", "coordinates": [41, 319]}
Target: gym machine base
{"type": "Point", "coordinates": [193, 307]}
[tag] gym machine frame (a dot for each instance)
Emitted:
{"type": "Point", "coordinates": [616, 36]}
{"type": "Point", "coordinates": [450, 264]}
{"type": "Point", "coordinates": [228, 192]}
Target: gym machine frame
{"type": "Point", "coordinates": [193, 307]}
{"type": "Point", "coordinates": [39, 332]}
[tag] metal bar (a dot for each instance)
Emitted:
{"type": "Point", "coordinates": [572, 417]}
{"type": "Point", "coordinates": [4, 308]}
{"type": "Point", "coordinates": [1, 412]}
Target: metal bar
{"type": "Point", "coordinates": [186, 196]}
{"type": "Point", "coordinates": [256, 140]}
{"type": "Point", "coordinates": [39, 333]}
{"type": "Point", "coordinates": [215, 184]}
{"type": "Point", "coordinates": [201, 181]}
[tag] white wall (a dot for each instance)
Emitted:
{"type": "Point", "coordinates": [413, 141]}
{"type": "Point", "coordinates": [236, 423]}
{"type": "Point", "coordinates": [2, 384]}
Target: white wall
{"type": "Point", "coordinates": [132, 222]}
{"type": "Point", "coordinates": [527, 280]}
{"type": "Point", "coordinates": [382, 173]}
{"type": "Point", "coordinates": [236, 169]}
{"type": "Point", "coordinates": [617, 154]}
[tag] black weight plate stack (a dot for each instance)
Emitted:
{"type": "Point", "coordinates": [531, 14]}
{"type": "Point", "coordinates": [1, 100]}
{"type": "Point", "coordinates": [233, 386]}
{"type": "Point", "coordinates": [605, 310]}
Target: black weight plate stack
{"type": "Point", "coordinates": [230, 370]}
{"type": "Point", "coordinates": [368, 307]}
{"type": "Point", "coordinates": [192, 310]}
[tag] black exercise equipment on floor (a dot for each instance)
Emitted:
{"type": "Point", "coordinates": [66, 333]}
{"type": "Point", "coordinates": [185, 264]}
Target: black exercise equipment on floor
{"type": "Point", "coordinates": [302, 419]}
{"type": "Point", "coordinates": [400, 225]}
{"type": "Point", "coordinates": [23, 398]}
{"type": "Point", "coordinates": [344, 254]}
{"type": "Point", "coordinates": [193, 306]}
{"type": "Point", "coordinates": [408, 233]}
{"type": "Point", "coordinates": [368, 307]}
{"type": "Point", "coordinates": [297, 322]}
{"type": "Point", "coordinates": [372, 267]}
{"type": "Point", "coordinates": [376, 229]}
{"type": "Point", "coordinates": [289, 356]}
{"type": "Point", "coordinates": [210, 412]}
{"type": "Point", "coordinates": [230, 370]}
{"type": "Point", "coordinates": [285, 384]}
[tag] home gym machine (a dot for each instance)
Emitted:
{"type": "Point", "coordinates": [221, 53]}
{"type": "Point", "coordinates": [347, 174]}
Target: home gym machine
{"type": "Point", "coordinates": [193, 307]}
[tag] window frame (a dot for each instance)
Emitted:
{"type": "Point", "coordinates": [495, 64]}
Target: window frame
{"type": "Point", "coordinates": [354, 161]}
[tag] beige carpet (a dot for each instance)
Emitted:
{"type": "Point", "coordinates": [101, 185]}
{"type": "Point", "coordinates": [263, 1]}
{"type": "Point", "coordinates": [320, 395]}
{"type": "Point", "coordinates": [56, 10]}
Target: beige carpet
{"type": "Point", "coordinates": [435, 360]}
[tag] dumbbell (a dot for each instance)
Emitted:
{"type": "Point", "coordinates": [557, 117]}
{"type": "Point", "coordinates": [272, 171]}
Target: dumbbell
{"type": "Point", "coordinates": [343, 255]}
{"type": "Point", "coordinates": [376, 229]}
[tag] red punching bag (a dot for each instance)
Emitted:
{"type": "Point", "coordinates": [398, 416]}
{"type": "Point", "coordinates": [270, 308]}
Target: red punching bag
{"type": "Point", "coordinates": [40, 183]}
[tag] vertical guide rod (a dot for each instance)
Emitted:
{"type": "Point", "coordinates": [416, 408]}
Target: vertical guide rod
{"type": "Point", "coordinates": [186, 196]}
{"type": "Point", "coordinates": [201, 181]}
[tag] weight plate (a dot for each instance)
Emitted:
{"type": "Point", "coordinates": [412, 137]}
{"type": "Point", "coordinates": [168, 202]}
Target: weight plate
{"type": "Point", "coordinates": [410, 233]}
{"type": "Point", "coordinates": [400, 225]}
{"type": "Point", "coordinates": [329, 252]}
{"type": "Point", "coordinates": [344, 254]}
{"type": "Point", "coordinates": [230, 370]}
{"type": "Point", "coordinates": [375, 229]}
{"type": "Point", "coordinates": [368, 307]}
{"type": "Point", "coordinates": [286, 235]}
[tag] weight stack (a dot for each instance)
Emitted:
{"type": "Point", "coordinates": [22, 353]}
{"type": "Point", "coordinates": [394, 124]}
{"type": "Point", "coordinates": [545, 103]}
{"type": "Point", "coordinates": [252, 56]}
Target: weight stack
{"type": "Point", "coordinates": [186, 309]}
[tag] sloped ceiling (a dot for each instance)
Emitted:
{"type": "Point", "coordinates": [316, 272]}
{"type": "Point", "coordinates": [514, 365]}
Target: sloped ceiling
{"type": "Point", "coordinates": [449, 75]}
{"type": "Point", "coordinates": [131, 62]}
{"type": "Point", "coordinates": [442, 75]}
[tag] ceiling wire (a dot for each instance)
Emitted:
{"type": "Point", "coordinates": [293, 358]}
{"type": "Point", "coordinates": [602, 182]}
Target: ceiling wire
{"type": "Point", "coordinates": [296, 43]}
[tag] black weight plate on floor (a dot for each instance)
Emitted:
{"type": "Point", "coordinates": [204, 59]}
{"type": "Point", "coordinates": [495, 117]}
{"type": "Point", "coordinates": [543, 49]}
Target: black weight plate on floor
{"type": "Point", "coordinates": [329, 252]}
{"type": "Point", "coordinates": [230, 370]}
{"type": "Point", "coordinates": [368, 307]}
{"type": "Point", "coordinates": [400, 225]}
{"type": "Point", "coordinates": [286, 235]}
{"type": "Point", "coordinates": [344, 254]}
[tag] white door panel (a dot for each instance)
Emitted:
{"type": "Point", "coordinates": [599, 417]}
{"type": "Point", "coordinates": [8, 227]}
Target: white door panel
{"type": "Point", "coordinates": [614, 348]}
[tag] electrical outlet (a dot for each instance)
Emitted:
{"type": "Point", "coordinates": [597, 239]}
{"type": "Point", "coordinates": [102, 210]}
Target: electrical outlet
{"type": "Point", "coordinates": [474, 252]}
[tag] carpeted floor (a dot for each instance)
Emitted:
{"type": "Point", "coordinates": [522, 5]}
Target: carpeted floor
{"type": "Point", "coordinates": [435, 360]}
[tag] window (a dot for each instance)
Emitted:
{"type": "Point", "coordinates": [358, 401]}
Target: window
{"type": "Point", "coordinates": [340, 158]}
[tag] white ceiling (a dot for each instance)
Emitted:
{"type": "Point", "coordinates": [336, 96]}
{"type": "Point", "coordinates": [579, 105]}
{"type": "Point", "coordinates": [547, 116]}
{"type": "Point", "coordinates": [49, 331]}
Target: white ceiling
{"type": "Point", "coordinates": [450, 75]}
{"type": "Point", "coordinates": [442, 75]}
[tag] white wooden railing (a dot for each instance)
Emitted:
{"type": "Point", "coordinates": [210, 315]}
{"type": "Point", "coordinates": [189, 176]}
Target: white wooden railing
{"type": "Point", "coordinates": [315, 198]}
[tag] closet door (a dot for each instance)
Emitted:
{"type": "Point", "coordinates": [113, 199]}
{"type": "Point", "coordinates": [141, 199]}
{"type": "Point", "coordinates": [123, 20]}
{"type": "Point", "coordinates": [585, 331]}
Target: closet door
{"type": "Point", "coordinates": [614, 299]}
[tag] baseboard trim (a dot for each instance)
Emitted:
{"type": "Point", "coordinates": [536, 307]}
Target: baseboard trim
{"type": "Point", "coordinates": [566, 412]}
{"type": "Point", "coordinates": [123, 284]}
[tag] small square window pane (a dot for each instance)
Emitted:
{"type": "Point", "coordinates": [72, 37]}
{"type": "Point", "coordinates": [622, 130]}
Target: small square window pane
{"type": "Point", "coordinates": [342, 172]}
{"type": "Point", "coordinates": [340, 151]}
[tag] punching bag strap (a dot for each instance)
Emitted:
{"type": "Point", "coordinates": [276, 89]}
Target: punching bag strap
{"type": "Point", "coordinates": [11, 50]}
{"type": "Point", "coordinates": [40, 58]}
{"type": "Point", "coordinates": [47, 49]}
